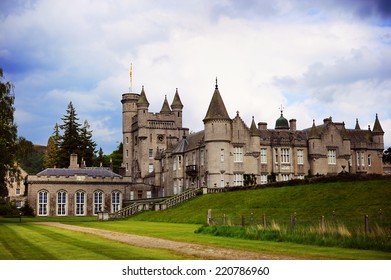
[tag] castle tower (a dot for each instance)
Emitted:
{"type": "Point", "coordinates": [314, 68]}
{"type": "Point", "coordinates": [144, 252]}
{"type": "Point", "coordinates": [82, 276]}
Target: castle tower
{"type": "Point", "coordinates": [218, 127]}
{"type": "Point", "coordinates": [129, 111]}
{"type": "Point", "coordinates": [177, 108]}
{"type": "Point", "coordinates": [255, 137]}
{"type": "Point", "coordinates": [378, 133]}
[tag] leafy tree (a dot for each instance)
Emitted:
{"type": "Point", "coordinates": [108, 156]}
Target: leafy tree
{"type": "Point", "coordinates": [87, 145]}
{"type": "Point", "coordinates": [116, 158]}
{"type": "Point", "coordinates": [8, 133]}
{"type": "Point", "coordinates": [29, 156]}
{"type": "Point", "coordinates": [387, 155]}
{"type": "Point", "coordinates": [70, 141]}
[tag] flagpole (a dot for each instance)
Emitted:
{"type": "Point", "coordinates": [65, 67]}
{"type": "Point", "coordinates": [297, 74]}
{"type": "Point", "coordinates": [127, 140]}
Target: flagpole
{"type": "Point", "coordinates": [130, 76]}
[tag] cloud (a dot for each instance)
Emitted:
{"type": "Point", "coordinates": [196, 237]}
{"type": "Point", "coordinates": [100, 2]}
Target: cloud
{"type": "Point", "coordinates": [315, 58]}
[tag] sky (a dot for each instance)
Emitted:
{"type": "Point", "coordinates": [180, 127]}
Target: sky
{"type": "Point", "coordinates": [316, 59]}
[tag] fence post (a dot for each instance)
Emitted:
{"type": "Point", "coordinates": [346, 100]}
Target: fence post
{"type": "Point", "coordinates": [293, 221]}
{"type": "Point", "coordinates": [264, 220]}
{"type": "Point", "coordinates": [366, 220]}
{"type": "Point", "coordinates": [209, 219]}
{"type": "Point", "coordinates": [323, 224]}
{"type": "Point", "coordinates": [242, 221]}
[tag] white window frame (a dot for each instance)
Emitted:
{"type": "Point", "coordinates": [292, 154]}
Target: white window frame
{"type": "Point", "coordinates": [263, 156]}
{"type": "Point", "coordinates": [98, 202]}
{"type": "Point", "coordinates": [238, 154]}
{"type": "Point", "coordinates": [222, 155]}
{"type": "Point", "coordinates": [300, 157]}
{"type": "Point", "coordinates": [238, 179]}
{"type": "Point", "coordinates": [115, 201]}
{"type": "Point", "coordinates": [61, 203]}
{"type": "Point", "coordinates": [332, 156]}
{"type": "Point", "coordinates": [80, 203]}
{"type": "Point", "coordinates": [174, 164]}
{"type": "Point", "coordinates": [150, 168]}
{"type": "Point", "coordinates": [285, 155]}
{"type": "Point", "coordinates": [43, 203]}
{"type": "Point", "coordinates": [150, 153]}
{"type": "Point", "coordinates": [369, 162]}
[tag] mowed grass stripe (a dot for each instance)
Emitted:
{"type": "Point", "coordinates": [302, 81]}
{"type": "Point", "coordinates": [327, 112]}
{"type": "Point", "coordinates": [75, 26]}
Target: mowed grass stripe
{"type": "Point", "coordinates": [37, 242]}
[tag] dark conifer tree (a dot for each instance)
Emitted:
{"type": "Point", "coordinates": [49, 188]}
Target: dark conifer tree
{"type": "Point", "coordinates": [87, 145]}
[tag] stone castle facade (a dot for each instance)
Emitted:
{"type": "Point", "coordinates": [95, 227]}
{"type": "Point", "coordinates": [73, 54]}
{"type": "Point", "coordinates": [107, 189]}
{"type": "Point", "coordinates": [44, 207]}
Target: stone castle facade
{"type": "Point", "coordinates": [163, 157]}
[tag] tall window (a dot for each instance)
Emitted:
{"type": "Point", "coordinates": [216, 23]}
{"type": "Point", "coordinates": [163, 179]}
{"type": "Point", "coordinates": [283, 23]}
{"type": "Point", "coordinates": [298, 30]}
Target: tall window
{"type": "Point", "coordinates": [80, 203]}
{"type": "Point", "coordinates": [193, 156]}
{"type": "Point", "coordinates": [150, 153]}
{"type": "Point", "coordinates": [179, 162]}
{"type": "Point", "coordinates": [174, 165]}
{"type": "Point", "coordinates": [43, 203]}
{"type": "Point", "coordinates": [202, 157]}
{"type": "Point", "coordinates": [331, 157]}
{"type": "Point", "coordinates": [150, 168]}
{"type": "Point", "coordinates": [61, 203]}
{"type": "Point", "coordinates": [285, 155]}
{"type": "Point", "coordinates": [238, 154]}
{"type": "Point", "coordinates": [222, 180]}
{"type": "Point", "coordinates": [115, 201]}
{"type": "Point", "coordinates": [131, 195]}
{"type": "Point", "coordinates": [238, 179]}
{"type": "Point", "coordinates": [222, 155]}
{"type": "Point", "coordinates": [263, 179]}
{"type": "Point", "coordinates": [263, 156]}
{"type": "Point", "coordinates": [300, 157]}
{"type": "Point", "coordinates": [98, 201]}
{"type": "Point", "coordinates": [369, 160]}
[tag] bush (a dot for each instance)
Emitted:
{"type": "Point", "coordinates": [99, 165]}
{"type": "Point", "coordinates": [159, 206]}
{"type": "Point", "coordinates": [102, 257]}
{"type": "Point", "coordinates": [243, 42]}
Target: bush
{"type": "Point", "coordinates": [8, 209]}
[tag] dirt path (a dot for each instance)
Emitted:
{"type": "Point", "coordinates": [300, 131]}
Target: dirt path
{"type": "Point", "coordinates": [187, 249]}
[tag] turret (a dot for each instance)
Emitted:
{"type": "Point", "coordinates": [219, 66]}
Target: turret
{"type": "Point", "coordinates": [165, 108]}
{"type": "Point", "coordinates": [378, 133]}
{"type": "Point", "coordinates": [255, 136]}
{"type": "Point", "coordinates": [177, 108]}
{"type": "Point", "coordinates": [314, 141]}
{"type": "Point", "coordinates": [142, 108]}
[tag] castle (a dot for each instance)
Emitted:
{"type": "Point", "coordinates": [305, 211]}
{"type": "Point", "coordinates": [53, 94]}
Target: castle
{"type": "Point", "coordinates": [161, 157]}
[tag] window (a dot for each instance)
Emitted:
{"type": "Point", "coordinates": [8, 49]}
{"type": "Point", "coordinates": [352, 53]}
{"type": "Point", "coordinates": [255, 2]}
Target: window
{"type": "Point", "coordinates": [362, 159]}
{"type": "Point", "coordinates": [238, 179]}
{"type": "Point", "coordinates": [263, 179]}
{"type": "Point", "coordinates": [222, 180]}
{"type": "Point", "coordinates": [151, 153]}
{"type": "Point", "coordinates": [202, 157]}
{"type": "Point", "coordinates": [369, 160]}
{"type": "Point", "coordinates": [275, 155]}
{"type": "Point", "coordinates": [42, 203]}
{"type": "Point", "coordinates": [174, 165]}
{"type": "Point", "coordinates": [179, 162]}
{"type": "Point", "coordinates": [127, 140]}
{"type": "Point", "coordinates": [139, 194]}
{"type": "Point", "coordinates": [331, 157]}
{"type": "Point", "coordinates": [131, 195]}
{"type": "Point", "coordinates": [285, 155]}
{"type": "Point", "coordinates": [150, 168]}
{"type": "Point", "coordinates": [222, 155]}
{"type": "Point", "coordinates": [263, 156]}
{"type": "Point", "coordinates": [284, 177]}
{"type": "Point", "coordinates": [80, 203]}
{"type": "Point", "coordinates": [19, 204]}
{"type": "Point", "coordinates": [98, 202]}
{"type": "Point", "coordinates": [186, 160]}
{"type": "Point", "coordinates": [127, 166]}
{"type": "Point", "coordinates": [149, 194]}
{"type": "Point", "coordinates": [300, 157]}
{"type": "Point", "coordinates": [193, 157]}
{"type": "Point", "coordinates": [115, 201]}
{"type": "Point", "coordinates": [17, 190]}
{"type": "Point", "coordinates": [238, 154]}
{"type": "Point", "coordinates": [127, 153]}
{"type": "Point", "coordinates": [61, 203]}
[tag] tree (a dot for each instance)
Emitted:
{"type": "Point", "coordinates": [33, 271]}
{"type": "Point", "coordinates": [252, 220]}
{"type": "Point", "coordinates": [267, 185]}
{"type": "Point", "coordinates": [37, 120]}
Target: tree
{"type": "Point", "coordinates": [87, 145]}
{"type": "Point", "coordinates": [8, 133]}
{"type": "Point", "coordinates": [70, 141]}
{"type": "Point", "coordinates": [387, 156]}
{"type": "Point", "coordinates": [51, 158]}
{"type": "Point", "coordinates": [29, 156]}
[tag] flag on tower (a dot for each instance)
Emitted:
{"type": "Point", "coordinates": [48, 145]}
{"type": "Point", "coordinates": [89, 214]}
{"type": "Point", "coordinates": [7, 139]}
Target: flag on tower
{"type": "Point", "coordinates": [130, 74]}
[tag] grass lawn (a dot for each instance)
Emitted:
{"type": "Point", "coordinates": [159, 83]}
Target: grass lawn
{"type": "Point", "coordinates": [27, 241]}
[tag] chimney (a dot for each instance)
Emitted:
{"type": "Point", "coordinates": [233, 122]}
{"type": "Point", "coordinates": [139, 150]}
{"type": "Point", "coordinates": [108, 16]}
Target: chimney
{"type": "Point", "coordinates": [262, 125]}
{"type": "Point", "coordinates": [73, 161]}
{"type": "Point", "coordinates": [292, 124]}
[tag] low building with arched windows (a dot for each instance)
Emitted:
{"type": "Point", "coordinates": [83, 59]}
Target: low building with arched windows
{"type": "Point", "coordinates": [75, 191]}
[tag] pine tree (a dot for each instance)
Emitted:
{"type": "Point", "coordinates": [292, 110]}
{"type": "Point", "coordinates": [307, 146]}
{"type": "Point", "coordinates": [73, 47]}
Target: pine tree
{"type": "Point", "coordinates": [51, 158]}
{"type": "Point", "coordinates": [70, 141]}
{"type": "Point", "coordinates": [8, 133]}
{"type": "Point", "coordinates": [87, 145]}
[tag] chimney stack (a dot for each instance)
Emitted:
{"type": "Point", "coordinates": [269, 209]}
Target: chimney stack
{"type": "Point", "coordinates": [292, 124]}
{"type": "Point", "coordinates": [73, 161]}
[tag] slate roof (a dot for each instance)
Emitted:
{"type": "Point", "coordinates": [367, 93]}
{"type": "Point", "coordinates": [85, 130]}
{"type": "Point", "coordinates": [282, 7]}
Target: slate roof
{"type": "Point", "coordinates": [92, 172]}
{"type": "Point", "coordinates": [216, 110]}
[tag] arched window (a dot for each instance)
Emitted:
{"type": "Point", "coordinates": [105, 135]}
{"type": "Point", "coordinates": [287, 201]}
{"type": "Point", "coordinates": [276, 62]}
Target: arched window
{"type": "Point", "coordinates": [98, 202]}
{"type": "Point", "coordinates": [43, 203]}
{"type": "Point", "coordinates": [61, 203]}
{"type": "Point", "coordinates": [80, 203]}
{"type": "Point", "coordinates": [115, 201]}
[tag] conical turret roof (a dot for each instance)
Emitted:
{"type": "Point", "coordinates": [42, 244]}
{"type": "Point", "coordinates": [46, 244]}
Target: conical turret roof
{"type": "Point", "coordinates": [253, 129]}
{"type": "Point", "coordinates": [313, 132]}
{"type": "Point", "coordinates": [357, 125]}
{"type": "Point", "coordinates": [216, 110]}
{"type": "Point", "coordinates": [377, 127]}
{"type": "Point", "coordinates": [142, 100]}
{"type": "Point", "coordinates": [177, 103]}
{"type": "Point", "coordinates": [165, 108]}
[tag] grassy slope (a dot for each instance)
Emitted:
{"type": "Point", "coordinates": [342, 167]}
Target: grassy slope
{"type": "Point", "coordinates": [350, 201]}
